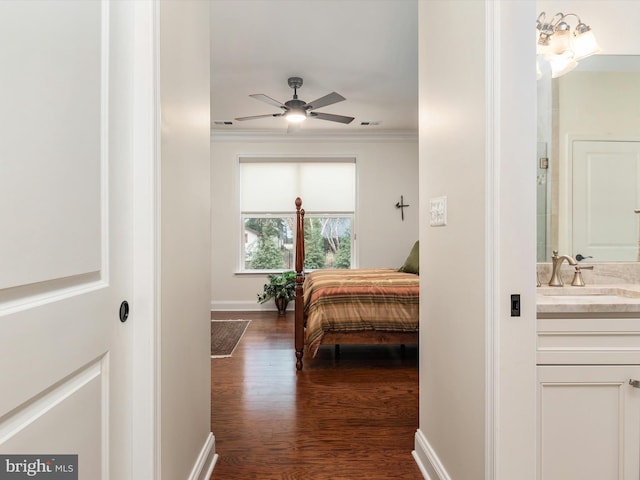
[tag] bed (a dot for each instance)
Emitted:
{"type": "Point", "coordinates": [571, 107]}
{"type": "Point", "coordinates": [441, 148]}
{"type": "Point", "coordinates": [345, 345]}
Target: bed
{"type": "Point", "coordinates": [355, 306]}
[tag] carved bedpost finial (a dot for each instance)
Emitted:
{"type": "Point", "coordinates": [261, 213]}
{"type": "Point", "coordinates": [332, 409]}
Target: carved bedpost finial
{"type": "Point", "coordinates": [299, 260]}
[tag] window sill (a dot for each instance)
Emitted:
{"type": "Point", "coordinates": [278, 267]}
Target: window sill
{"type": "Point", "coordinates": [251, 273]}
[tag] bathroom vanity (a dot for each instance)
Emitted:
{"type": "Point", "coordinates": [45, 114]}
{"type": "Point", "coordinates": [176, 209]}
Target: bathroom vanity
{"type": "Point", "coordinates": [588, 369]}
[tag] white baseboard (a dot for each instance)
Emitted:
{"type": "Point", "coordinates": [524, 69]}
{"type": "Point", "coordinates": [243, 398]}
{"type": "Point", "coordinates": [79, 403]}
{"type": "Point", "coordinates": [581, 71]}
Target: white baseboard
{"type": "Point", "coordinates": [427, 460]}
{"type": "Point", "coordinates": [242, 306]}
{"type": "Point", "coordinates": [206, 460]}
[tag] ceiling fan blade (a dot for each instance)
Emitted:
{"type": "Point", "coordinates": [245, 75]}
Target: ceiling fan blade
{"type": "Point", "coordinates": [264, 98]}
{"type": "Point", "coordinates": [329, 99]}
{"type": "Point", "coordinates": [253, 117]}
{"type": "Point", "coordinates": [331, 117]}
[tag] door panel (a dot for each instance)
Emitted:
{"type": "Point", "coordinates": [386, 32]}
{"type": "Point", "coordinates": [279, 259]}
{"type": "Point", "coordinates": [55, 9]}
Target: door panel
{"type": "Point", "coordinates": [589, 423]}
{"type": "Point", "coordinates": [57, 411]}
{"type": "Point", "coordinates": [51, 140]}
{"type": "Point", "coordinates": [65, 244]}
{"type": "Point", "coordinates": [606, 191]}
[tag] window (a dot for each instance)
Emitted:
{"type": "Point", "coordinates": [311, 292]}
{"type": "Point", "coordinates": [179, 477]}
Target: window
{"type": "Point", "coordinates": [268, 189]}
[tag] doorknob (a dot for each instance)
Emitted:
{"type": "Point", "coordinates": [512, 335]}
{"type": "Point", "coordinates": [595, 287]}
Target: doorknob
{"type": "Point", "coordinates": [580, 257]}
{"type": "Point", "coordinates": [124, 311]}
{"type": "Point", "coordinates": [634, 383]}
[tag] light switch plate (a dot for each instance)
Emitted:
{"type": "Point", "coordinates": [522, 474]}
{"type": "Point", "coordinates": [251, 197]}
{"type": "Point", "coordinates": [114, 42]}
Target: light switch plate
{"type": "Point", "coordinates": [438, 212]}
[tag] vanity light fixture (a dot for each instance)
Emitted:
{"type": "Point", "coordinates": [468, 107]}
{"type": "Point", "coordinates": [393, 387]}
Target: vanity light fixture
{"type": "Point", "coordinates": [561, 48]}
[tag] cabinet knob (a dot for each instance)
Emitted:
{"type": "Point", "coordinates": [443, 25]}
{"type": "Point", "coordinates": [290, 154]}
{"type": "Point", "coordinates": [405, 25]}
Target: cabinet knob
{"type": "Point", "coordinates": [634, 383]}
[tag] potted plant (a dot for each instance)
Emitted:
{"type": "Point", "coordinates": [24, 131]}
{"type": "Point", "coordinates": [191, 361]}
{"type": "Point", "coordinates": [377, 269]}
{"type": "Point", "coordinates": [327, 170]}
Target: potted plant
{"type": "Point", "coordinates": [282, 288]}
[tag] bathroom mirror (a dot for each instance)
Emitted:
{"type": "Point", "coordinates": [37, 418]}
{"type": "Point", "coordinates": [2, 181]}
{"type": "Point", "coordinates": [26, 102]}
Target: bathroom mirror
{"type": "Point", "coordinates": [588, 179]}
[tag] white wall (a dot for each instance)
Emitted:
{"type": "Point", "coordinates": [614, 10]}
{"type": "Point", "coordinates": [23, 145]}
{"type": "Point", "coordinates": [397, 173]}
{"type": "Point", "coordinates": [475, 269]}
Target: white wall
{"type": "Point", "coordinates": [604, 103]}
{"type": "Point", "coordinates": [185, 377]}
{"type": "Point", "coordinates": [477, 147]}
{"type": "Point", "coordinates": [452, 148]}
{"type": "Point", "coordinates": [385, 171]}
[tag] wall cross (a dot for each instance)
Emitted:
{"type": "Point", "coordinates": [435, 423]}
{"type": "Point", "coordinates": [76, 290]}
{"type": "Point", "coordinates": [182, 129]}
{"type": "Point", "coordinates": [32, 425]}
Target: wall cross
{"type": "Point", "coordinates": [401, 205]}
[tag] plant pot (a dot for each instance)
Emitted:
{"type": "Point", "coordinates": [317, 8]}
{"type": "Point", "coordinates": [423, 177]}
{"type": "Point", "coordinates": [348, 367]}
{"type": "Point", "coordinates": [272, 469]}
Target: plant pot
{"type": "Point", "coordinates": [281, 304]}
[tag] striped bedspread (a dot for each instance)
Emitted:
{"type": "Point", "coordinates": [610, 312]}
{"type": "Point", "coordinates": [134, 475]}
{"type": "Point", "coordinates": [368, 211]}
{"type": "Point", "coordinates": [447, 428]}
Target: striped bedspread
{"type": "Point", "coordinates": [359, 299]}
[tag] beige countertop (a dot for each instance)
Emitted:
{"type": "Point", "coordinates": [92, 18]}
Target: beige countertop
{"type": "Point", "coordinates": [614, 298]}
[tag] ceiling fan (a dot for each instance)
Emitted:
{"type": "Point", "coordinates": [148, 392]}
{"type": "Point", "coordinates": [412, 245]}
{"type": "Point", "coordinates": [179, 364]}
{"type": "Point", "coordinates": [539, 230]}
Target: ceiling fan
{"type": "Point", "coordinates": [295, 110]}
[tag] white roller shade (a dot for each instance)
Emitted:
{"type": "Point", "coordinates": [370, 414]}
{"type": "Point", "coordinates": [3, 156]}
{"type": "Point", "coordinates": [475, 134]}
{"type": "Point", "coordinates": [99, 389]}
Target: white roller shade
{"type": "Point", "coordinates": [272, 185]}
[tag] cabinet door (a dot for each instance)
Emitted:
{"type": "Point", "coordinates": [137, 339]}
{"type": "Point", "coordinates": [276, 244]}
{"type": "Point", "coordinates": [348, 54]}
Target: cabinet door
{"type": "Point", "coordinates": [589, 423]}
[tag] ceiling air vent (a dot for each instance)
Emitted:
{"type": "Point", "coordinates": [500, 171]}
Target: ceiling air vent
{"type": "Point", "coordinates": [222, 122]}
{"type": "Point", "coordinates": [367, 124]}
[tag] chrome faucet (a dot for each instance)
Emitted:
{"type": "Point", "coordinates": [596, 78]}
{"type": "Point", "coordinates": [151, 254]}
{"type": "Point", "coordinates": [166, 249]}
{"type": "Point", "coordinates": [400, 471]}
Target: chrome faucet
{"type": "Point", "coordinates": [557, 260]}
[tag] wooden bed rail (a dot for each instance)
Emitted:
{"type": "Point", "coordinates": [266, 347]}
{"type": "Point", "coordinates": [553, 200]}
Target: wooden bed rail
{"type": "Point", "coordinates": [299, 299]}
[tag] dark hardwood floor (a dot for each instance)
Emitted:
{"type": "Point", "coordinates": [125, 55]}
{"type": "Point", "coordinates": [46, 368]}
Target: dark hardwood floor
{"type": "Point", "coordinates": [353, 417]}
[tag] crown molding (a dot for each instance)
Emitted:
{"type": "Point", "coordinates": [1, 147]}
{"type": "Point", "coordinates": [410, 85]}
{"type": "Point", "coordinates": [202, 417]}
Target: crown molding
{"type": "Point", "coordinates": [382, 136]}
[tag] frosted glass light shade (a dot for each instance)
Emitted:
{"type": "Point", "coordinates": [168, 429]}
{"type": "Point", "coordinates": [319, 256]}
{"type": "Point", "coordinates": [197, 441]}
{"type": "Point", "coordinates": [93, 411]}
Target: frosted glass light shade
{"type": "Point", "coordinates": [560, 41]}
{"type": "Point", "coordinates": [543, 47]}
{"type": "Point", "coordinates": [296, 114]}
{"type": "Point", "coordinates": [295, 117]}
{"type": "Point", "coordinates": [561, 64]}
{"type": "Point", "coordinates": [584, 45]}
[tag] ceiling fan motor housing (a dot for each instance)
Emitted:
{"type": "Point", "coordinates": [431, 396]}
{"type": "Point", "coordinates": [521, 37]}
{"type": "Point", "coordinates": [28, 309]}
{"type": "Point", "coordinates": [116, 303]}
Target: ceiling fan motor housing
{"type": "Point", "coordinates": [295, 82]}
{"type": "Point", "coordinates": [295, 104]}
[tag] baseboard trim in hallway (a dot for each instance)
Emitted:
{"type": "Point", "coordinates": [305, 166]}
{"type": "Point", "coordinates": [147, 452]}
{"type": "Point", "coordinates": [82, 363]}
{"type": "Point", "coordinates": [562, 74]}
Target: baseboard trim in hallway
{"type": "Point", "coordinates": [206, 461]}
{"type": "Point", "coordinates": [428, 462]}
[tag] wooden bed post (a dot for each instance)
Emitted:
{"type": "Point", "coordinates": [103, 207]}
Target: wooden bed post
{"type": "Point", "coordinates": [299, 299]}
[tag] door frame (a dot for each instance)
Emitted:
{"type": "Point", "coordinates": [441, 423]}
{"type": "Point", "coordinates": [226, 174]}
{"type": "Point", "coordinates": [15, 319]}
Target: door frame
{"type": "Point", "coordinates": [510, 375]}
{"type": "Point", "coordinates": [146, 421]}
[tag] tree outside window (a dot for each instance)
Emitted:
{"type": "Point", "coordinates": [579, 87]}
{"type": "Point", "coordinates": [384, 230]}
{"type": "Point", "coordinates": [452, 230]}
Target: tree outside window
{"type": "Point", "coordinates": [269, 242]}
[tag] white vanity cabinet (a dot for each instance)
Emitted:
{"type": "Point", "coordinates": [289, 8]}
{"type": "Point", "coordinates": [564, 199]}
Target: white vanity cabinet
{"type": "Point", "coordinates": [588, 412]}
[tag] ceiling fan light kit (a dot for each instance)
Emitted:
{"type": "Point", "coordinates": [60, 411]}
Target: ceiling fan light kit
{"type": "Point", "coordinates": [296, 116]}
{"type": "Point", "coordinates": [296, 110]}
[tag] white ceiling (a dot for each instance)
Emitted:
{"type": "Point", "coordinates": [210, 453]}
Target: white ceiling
{"type": "Point", "coordinates": [366, 50]}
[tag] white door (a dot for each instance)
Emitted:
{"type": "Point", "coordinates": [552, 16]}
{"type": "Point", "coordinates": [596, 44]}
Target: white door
{"type": "Point", "coordinates": [65, 235]}
{"type": "Point", "coordinates": [606, 191]}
